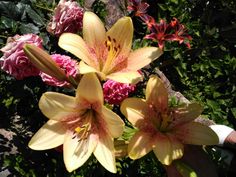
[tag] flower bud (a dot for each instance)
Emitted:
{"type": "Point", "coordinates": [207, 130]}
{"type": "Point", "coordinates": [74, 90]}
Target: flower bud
{"type": "Point", "coordinates": [43, 61]}
{"type": "Point", "coordinates": [69, 67]}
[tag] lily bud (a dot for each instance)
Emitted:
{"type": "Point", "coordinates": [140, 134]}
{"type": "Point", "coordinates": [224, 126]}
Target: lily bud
{"type": "Point", "coordinates": [43, 61]}
{"type": "Point", "coordinates": [184, 169]}
{"type": "Point", "coordinates": [121, 147]}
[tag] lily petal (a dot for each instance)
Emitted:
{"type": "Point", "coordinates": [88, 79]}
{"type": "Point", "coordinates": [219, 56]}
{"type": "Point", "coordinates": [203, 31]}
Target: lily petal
{"type": "Point", "coordinates": [49, 136]}
{"type": "Point", "coordinates": [197, 134]}
{"type": "Point", "coordinates": [168, 149]}
{"type": "Point", "coordinates": [122, 32]}
{"type": "Point", "coordinates": [156, 93]}
{"type": "Point", "coordinates": [77, 151]}
{"type": "Point", "coordinates": [56, 106]}
{"type": "Point", "coordinates": [140, 144]}
{"type": "Point", "coordinates": [93, 30]}
{"type": "Point", "coordinates": [104, 152]}
{"type": "Point", "coordinates": [134, 110]}
{"type": "Point", "coordinates": [129, 77]}
{"type": "Point", "coordinates": [84, 69]}
{"type": "Point", "coordinates": [185, 114]}
{"type": "Point", "coordinates": [114, 123]}
{"type": "Point", "coordinates": [142, 57]}
{"type": "Point", "coordinates": [75, 45]}
{"type": "Point", "coordinates": [90, 89]}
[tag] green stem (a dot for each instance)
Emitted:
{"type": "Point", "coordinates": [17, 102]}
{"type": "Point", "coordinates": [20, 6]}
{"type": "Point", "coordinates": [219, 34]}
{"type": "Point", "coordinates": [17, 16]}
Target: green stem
{"type": "Point", "coordinates": [3, 36]}
{"type": "Point", "coordinates": [41, 7]}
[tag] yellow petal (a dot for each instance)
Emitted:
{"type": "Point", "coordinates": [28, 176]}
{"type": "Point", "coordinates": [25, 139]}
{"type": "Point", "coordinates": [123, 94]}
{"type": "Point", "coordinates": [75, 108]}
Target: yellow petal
{"type": "Point", "coordinates": [43, 61]}
{"type": "Point", "coordinates": [186, 113]}
{"type": "Point", "coordinates": [142, 57]}
{"type": "Point", "coordinates": [90, 89]}
{"type": "Point", "coordinates": [134, 110]}
{"type": "Point", "coordinates": [197, 134]}
{"type": "Point", "coordinates": [140, 144]}
{"type": "Point", "coordinates": [93, 30]}
{"type": "Point", "coordinates": [104, 152]}
{"type": "Point", "coordinates": [75, 45]}
{"type": "Point", "coordinates": [84, 69]}
{"type": "Point", "coordinates": [114, 123]}
{"type": "Point", "coordinates": [77, 151]}
{"type": "Point", "coordinates": [129, 77]}
{"type": "Point", "coordinates": [168, 149]}
{"type": "Point", "coordinates": [49, 136]}
{"type": "Point", "coordinates": [57, 106]}
{"type": "Point", "coordinates": [156, 93]}
{"type": "Point", "coordinates": [122, 32]}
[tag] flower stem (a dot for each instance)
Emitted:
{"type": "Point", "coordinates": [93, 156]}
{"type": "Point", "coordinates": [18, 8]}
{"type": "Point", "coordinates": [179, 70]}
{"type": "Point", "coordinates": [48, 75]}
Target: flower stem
{"type": "Point", "coordinates": [44, 8]}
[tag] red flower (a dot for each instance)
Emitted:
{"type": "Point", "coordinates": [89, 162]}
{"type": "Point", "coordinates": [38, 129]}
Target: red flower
{"type": "Point", "coordinates": [138, 7]}
{"type": "Point", "coordinates": [180, 34]}
{"type": "Point", "coordinates": [174, 31]}
{"type": "Point", "coordinates": [159, 33]}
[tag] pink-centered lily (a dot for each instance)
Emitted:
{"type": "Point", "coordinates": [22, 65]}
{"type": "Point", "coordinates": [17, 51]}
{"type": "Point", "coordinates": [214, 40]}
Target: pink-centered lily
{"type": "Point", "coordinates": [108, 53]}
{"type": "Point", "coordinates": [161, 128]}
{"type": "Point", "coordinates": [81, 123]}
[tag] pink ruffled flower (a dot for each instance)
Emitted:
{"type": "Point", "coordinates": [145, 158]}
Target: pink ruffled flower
{"type": "Point", "coordinates": [67, 64]}
{"type": "Point", "coordinates": [68, 17]}
{"type": "Point", "coordinates": [14, 60]}
{"type": "Point", "coordinates": [115, 92]}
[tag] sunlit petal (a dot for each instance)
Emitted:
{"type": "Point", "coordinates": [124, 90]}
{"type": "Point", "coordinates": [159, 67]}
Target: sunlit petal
{"type": "Point", "coordinates": [168, 149]}
{"type": "Point", "coordinates": [76, 152]}
{"type": "Point", "coordinates": [75, 45]}
{"type": "Point", "coordinates": [186, 113]}
{"type": "Point", "coordinates": [122, 32]}
{"type": "Point", "coordinates": [84, 69]}
{"type": "Point", "coordinates": [49, 136]}
{"type": "Point", "coordinates": [197, 134]}
{"type": "Point", "coordinates": [156, 93]}
{"type": "Point", "coordinates": [114, 123]}
{"type": "Point", "coordinates": [90, 89]}
{"type": "Point", "coordinates": [142, 57]}
{"type": "Point", "coordinates": [56, 105]}
{"type": "Point", "coordinates": [93, 30]}
{"type": "Point", "coordinates": [104, 152]}
{"type": "Point", "coordinates": [134, 109]}
{"type": "Point", "coordinates": [140, 144]}
{"type": "Point", "coordinates": [131, 77]}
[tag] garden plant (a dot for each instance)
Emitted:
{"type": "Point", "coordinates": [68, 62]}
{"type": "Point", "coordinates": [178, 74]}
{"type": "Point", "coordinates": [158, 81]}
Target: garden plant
{"type": "Point", "coordinates": [122, 88]}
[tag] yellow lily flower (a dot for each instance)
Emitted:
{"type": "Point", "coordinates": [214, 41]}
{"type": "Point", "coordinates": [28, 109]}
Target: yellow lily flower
{"type": "Point", "coordinates": [108, 53]}
{"type": "Point", "coordinates": [81, 123]}
{"type": "Point", "coordinates": [163, 129]}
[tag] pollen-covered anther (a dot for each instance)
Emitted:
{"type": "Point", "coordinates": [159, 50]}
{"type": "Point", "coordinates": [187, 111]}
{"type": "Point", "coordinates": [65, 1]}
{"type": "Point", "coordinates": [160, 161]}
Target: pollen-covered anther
{"type": "Point", "coordinates": [112, 45]}
{"type": "Point", "coordinates": [82, 132]}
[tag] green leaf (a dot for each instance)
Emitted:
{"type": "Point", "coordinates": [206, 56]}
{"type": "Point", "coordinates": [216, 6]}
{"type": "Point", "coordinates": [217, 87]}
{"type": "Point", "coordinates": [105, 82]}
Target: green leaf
{"type": "Point", "coordinates": [233, 110]}
{"type": "Point", "coordinates": [29, 28]}
{"type": "Point", "coordinates": [7, 23]}
{"type": "Point", "coordinates": [9, 9]}
{"type": "Point", "coordinates": [37, 19]}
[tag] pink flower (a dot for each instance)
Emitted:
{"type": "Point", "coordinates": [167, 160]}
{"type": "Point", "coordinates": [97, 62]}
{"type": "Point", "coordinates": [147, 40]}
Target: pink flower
{"type": "Point", "coordinates": [115, 92]}
{"type": "Point", "coordinates": [68, 16]}
{"type": "Point", "coordinates": [14, 60]}
{"type": "Point", "coordinates": [67, 64]}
